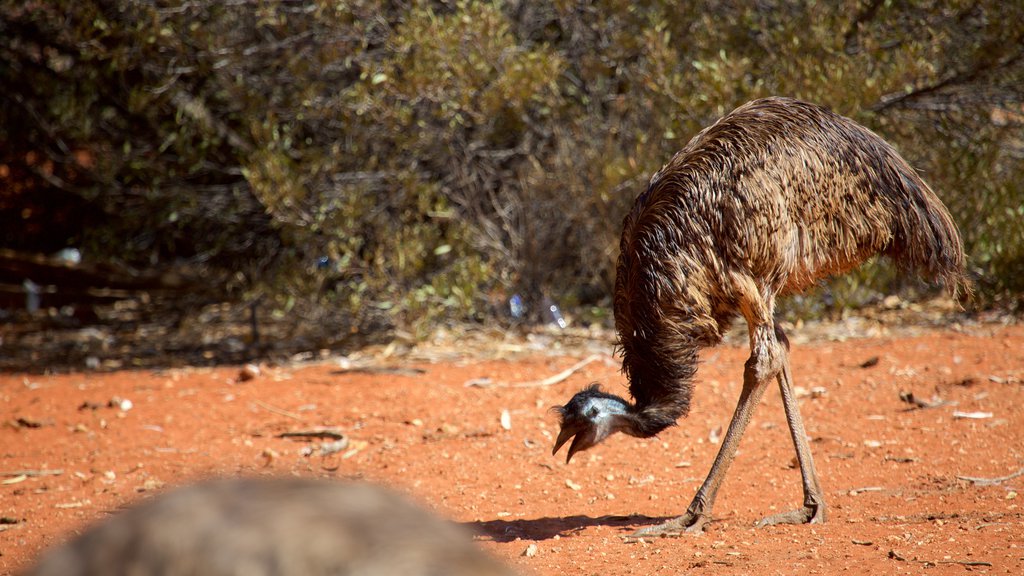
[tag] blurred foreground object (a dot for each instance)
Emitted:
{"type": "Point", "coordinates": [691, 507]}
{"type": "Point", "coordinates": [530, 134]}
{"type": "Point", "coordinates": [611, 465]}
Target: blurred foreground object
{"type": "Point", "coordinates": [285, 527]}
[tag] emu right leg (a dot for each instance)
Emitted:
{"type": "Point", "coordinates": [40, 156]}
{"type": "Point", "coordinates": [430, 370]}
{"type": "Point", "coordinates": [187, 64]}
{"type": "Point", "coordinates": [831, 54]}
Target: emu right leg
{"type": "Point", "coordinates": [699, 512]}
{"type": "Point", "coordinates": [813, 510]}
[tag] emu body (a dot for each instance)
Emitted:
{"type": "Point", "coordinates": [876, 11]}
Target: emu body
{"type": "Point", "coordinates": [772, 198]}
{"type": "Point", "coordinates": [284, 527]}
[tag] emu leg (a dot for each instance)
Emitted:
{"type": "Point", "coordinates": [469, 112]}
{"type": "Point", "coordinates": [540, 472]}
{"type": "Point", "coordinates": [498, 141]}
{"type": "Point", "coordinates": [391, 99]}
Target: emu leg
{"type": "Point", "coordinates": [699, 512]}
{"type": "Point", "coordinates": [813, 510]}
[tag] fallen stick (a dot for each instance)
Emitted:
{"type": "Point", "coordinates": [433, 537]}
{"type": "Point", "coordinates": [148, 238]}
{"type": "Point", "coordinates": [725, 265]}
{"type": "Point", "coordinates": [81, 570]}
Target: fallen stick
{"type": "Point", "coordinates": [549, 381]}
{"type": "Point", "coordinates": [276, 410]}
{"type": "Point", "coordinates": [331, 433]}
{"type": "Point", "coordinates": [864, 489]}
{"type": "Point", "coordinates": [31, 473]}
{"type": "Point", "coordinates": [393, 370]}
{"type": "Point", "coordinates": [991, 481]}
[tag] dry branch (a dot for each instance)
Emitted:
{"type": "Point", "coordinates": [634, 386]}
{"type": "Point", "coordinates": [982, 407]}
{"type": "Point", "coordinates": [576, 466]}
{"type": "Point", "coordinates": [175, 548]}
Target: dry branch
{"type": "Point", "coordinates": [31, 473]}
{"type": "Point", "coordinates": [991, 481]}
{"type": "Point", "coordinates": [332, 433]}
{"type": "Point", "coordinates": [277, 410]}
{"type": "Point", "coordinates": [549, 381]}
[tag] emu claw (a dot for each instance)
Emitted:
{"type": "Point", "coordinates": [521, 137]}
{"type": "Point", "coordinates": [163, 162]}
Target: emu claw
{"type": "Point", "coordinates": [809, 514]}
{"type": "Point", "coordinates": [688, 523]}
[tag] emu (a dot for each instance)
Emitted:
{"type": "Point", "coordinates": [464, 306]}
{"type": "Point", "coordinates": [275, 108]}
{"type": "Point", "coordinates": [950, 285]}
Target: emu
{"type": "Point", "coordinates": [286, 527]}
{"type": "Point", "coordinates": [772, 198]}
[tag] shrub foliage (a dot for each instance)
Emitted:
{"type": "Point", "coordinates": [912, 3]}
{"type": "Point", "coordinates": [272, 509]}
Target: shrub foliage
{"type": "Point", "coordinates": [425, 160]}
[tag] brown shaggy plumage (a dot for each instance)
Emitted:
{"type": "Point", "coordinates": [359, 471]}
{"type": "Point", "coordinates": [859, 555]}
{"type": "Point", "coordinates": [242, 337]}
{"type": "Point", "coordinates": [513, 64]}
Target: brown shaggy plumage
{"type": "Point", "coordinates": [284, 527]}
{"type": "Point", "coordinates": [769, 200]}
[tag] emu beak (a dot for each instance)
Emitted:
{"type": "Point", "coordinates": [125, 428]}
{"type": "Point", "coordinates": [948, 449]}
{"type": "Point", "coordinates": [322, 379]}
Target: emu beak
{"type": "Point", "coordinates": [563, 437]}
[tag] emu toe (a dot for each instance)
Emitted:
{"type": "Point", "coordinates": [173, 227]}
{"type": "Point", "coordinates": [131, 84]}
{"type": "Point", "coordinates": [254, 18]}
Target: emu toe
{"type": "Point", "coordinates": [809, 514]}
{"type": "Point", "coordinates": [688, 523]}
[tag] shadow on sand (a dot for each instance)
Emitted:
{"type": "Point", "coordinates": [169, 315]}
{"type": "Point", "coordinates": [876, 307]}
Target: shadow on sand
{"type": "Point", "coordinates": [547, 528]}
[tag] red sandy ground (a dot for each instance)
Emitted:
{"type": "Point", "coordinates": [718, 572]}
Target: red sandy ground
{"type": "Point", "coordinates": [893, 475]}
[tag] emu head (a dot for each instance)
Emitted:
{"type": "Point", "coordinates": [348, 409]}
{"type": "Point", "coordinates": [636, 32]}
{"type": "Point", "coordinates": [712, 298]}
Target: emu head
{"type": "Point", "coordinates": [590, 417]}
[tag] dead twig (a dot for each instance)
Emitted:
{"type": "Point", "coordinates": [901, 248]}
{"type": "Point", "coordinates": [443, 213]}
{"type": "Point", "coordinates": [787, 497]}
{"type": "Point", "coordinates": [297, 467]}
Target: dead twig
{"type": "Point", "coordinates": [857, 491]}
{"type": "Point", "coordinates": [277, 410]}
{"type": "Point", "coordinates": [32, 473]}
{"type": "Point", "coordinates": [990, 481]}
{"type": "Point", "coordinates": [549, 381]}
{"type": "Point", "coordinates": [972, 415]}
{"type": "Point", "coordinates": [391, 370]}
{"type": "Point", "coordinates": [332, 433]}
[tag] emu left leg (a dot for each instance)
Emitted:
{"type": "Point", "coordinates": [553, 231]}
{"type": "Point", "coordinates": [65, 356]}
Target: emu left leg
{"type": "Point", "coordinates": [813, 510]}
{"type": "Point", "coordinates": [698, 514]}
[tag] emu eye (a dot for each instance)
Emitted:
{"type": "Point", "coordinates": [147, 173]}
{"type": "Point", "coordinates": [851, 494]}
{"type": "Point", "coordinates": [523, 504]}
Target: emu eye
{"type": "Point", "coordinates": [592, 412]}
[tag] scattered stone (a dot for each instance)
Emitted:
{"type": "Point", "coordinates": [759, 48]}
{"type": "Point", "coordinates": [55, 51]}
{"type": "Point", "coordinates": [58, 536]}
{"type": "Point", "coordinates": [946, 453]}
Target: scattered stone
{"type": "Point", "coordinates": [23, 422]}
{"type": "Point", "coordinates": [715, 435]}
{"type": "Point", "coordinates": [873, 361]}
{"type": "Point", "coordinates": [328, 448]}
{"type": "Point", "coordinates": [248, 372]}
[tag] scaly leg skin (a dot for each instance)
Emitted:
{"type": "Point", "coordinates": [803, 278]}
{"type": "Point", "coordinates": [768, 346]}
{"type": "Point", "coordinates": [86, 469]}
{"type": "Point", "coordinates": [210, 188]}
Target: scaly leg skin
{"type": "Point", "coordinates": [689, 523]}
{"type": "Point", "coordinates": [699, 512]}
{"type": "Point", "coordinates": [814, 509]}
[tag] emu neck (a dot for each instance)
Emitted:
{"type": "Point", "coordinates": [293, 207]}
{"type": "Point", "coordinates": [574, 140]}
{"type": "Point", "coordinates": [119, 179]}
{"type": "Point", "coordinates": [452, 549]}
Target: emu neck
{"type": "Point", "coordinates": [661, 382]}
{"type": "Point", "coordinates": [665, 280]}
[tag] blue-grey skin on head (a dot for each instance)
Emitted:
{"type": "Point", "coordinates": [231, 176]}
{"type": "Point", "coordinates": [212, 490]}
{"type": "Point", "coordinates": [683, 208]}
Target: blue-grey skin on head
{"type": "Point", "coordinates": [590, 417]}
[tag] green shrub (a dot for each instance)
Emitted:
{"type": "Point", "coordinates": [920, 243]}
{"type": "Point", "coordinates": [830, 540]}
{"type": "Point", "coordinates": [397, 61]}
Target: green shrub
{"type": "Point", "coordinates": [443, 156]}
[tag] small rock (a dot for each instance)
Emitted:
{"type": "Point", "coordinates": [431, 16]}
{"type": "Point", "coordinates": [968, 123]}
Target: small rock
{"type": "Point", "coordinates": [572, 485]}
{"type": "Point", "coordinates": [149, 485]}
{"type": "Point", "coordinates": [896, 556]}
{"type": "Point", "coordinates": [248, 372]}
{"type": "Point", "coordinates": [269, 455]}
{"type": "Point", "coordinates": [530, 551]}
{"type": "Point", "coordinates": [23, 422]}
{"type": "Point", "coordinates": [873, 361]}
{"type": "Point", "coordinates": [506, 420]}
{"type": "Point", "coordinates": [328, 448]}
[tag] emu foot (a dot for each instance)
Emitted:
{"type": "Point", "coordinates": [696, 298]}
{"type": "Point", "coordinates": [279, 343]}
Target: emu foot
{"type": "Point", "coordinates": [809, 514]}
{"type": "Point", "coordinates": [689, 523]}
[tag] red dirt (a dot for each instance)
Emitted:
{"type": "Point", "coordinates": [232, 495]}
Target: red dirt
{"type": "Point", "coordinates": [891, 473]}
